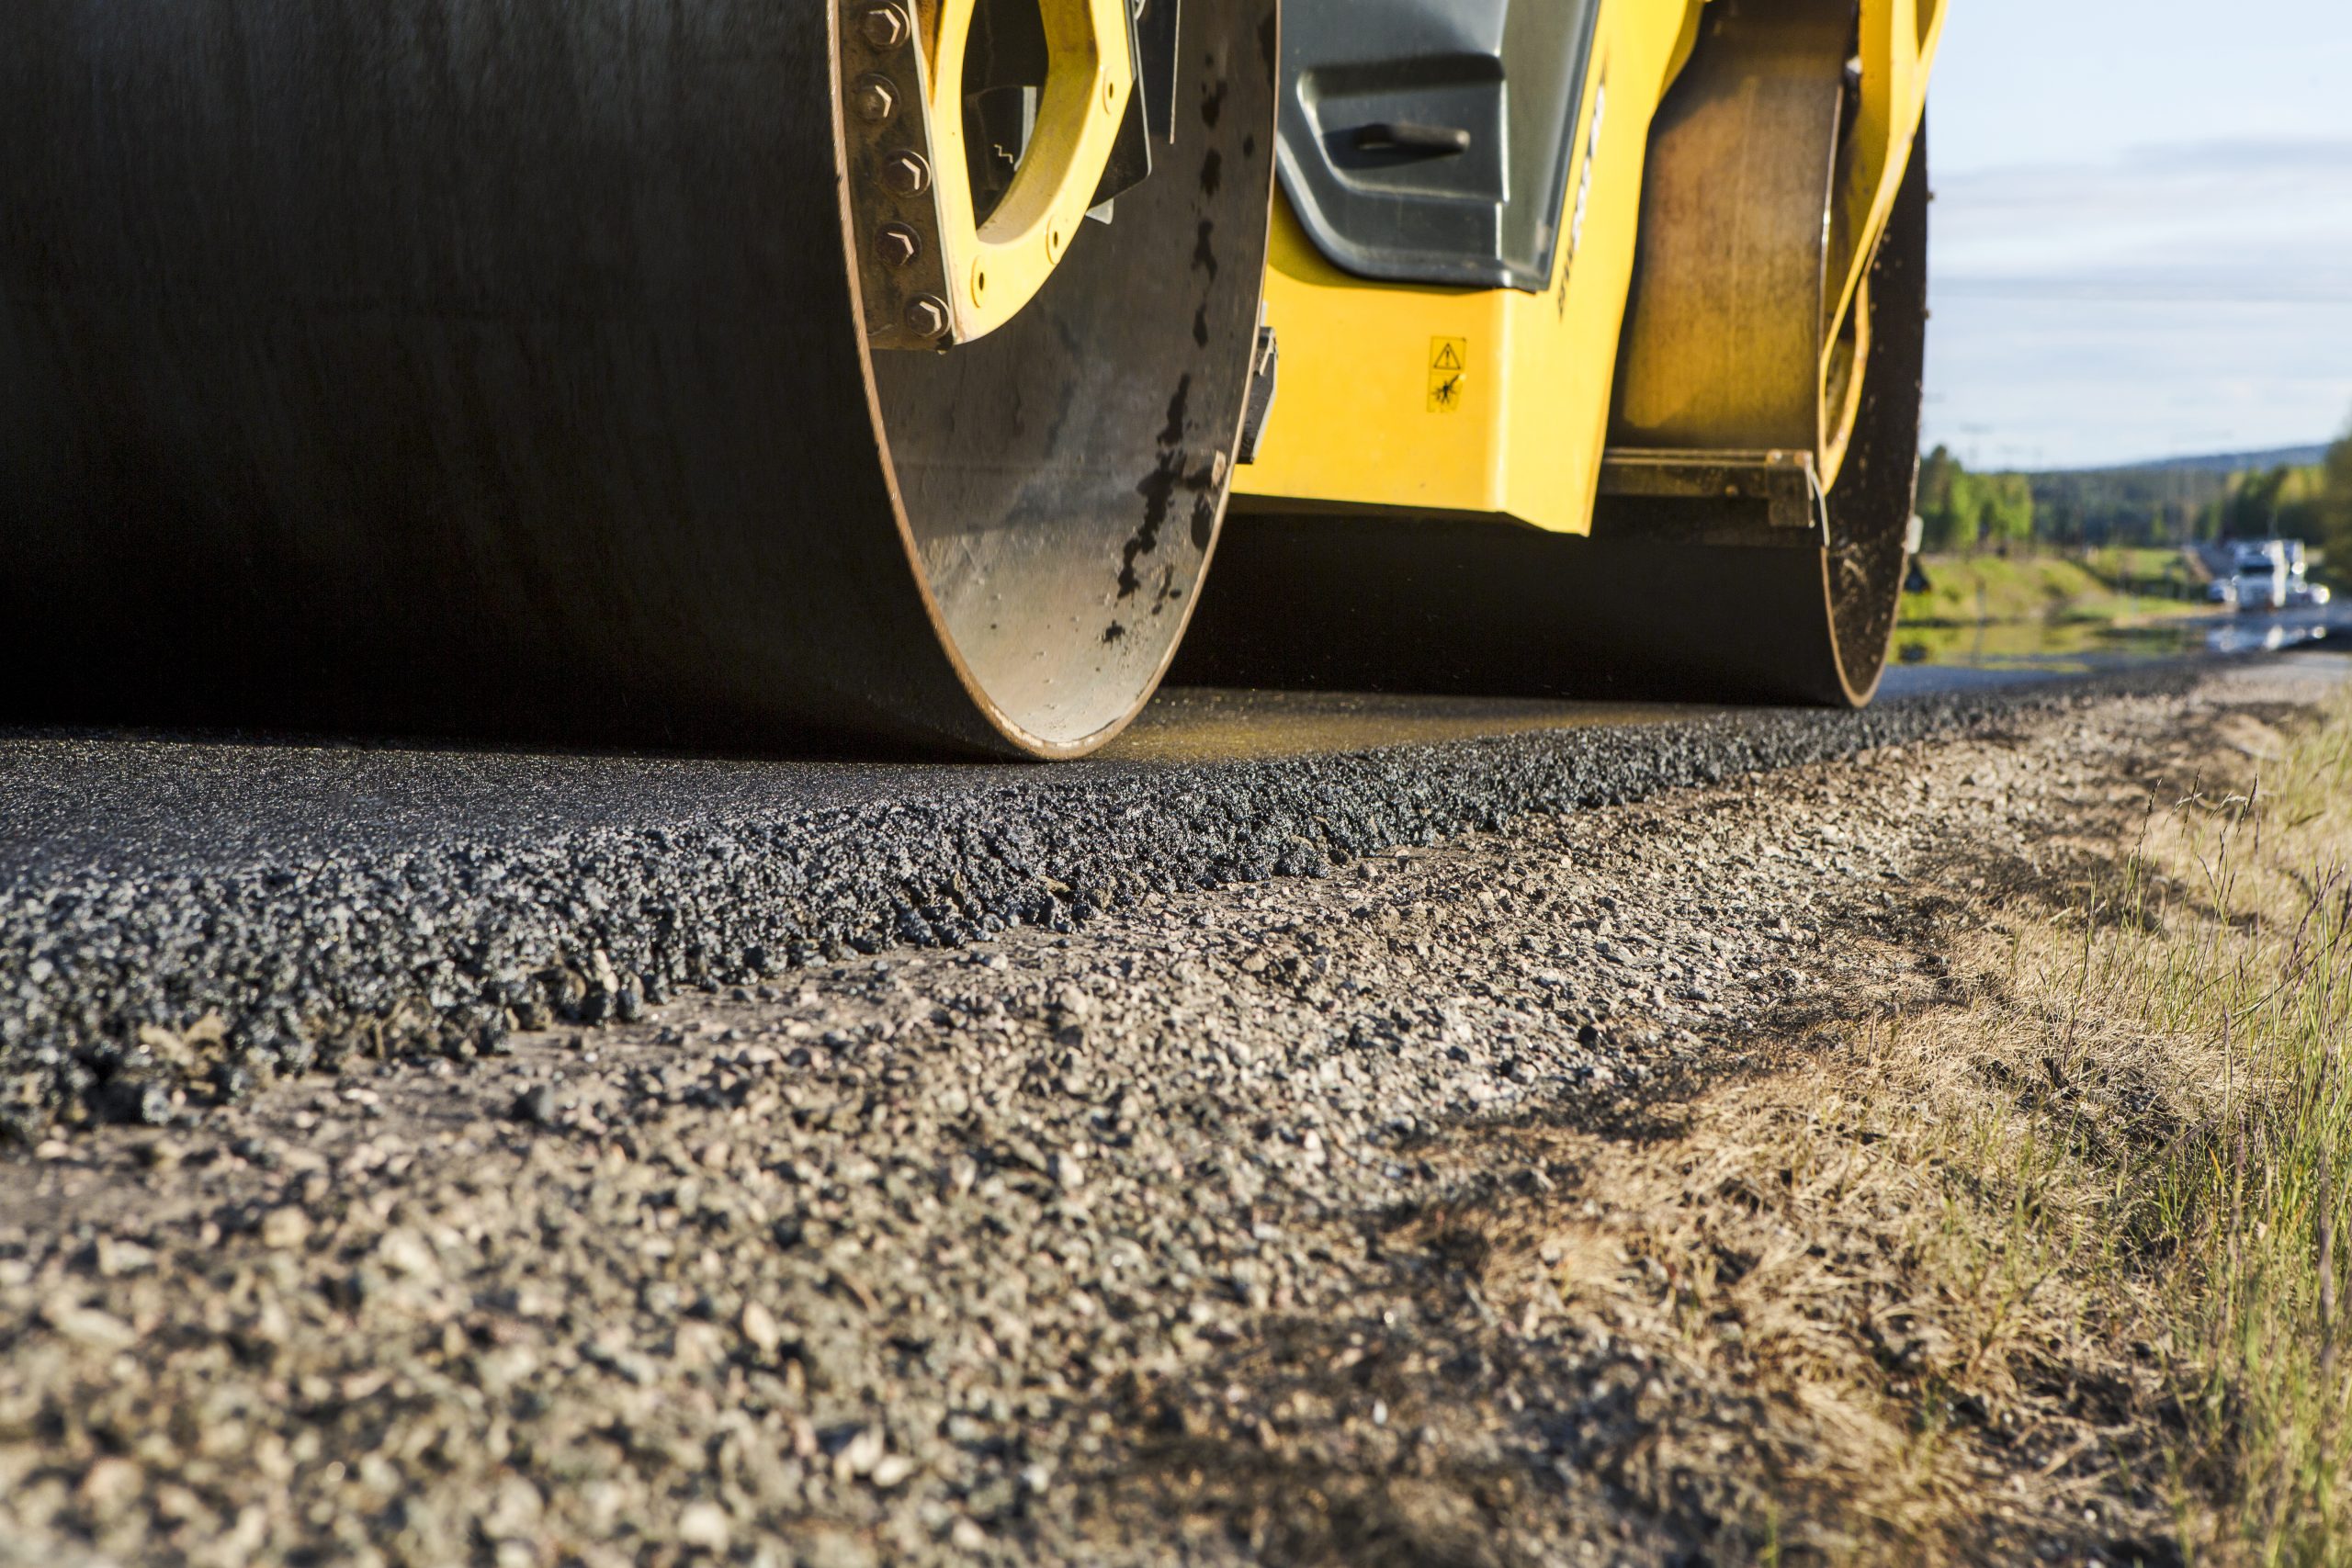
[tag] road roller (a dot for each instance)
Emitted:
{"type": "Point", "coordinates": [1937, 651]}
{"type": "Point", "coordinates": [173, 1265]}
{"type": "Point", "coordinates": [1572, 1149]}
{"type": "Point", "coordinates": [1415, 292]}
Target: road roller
{"type": "Point", "coordinates": [939, 376]}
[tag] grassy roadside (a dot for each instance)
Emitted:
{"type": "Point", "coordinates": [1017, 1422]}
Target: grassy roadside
{"type": "Point", "coordinates": [2054, 1254]}
{"type": "Point", "coordinates": [2143, 1125]}
{"type": "Point", "coordinates": [2231, 943]}
{"type": "Point", "coordinates": [2145, 1152]}
{"type": "Point", "coordinates": [1971, 589]}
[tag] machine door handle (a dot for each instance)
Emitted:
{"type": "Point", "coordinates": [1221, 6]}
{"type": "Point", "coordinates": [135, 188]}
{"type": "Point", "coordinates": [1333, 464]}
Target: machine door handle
{"type": "Point", "coordinates": [1406, 136]}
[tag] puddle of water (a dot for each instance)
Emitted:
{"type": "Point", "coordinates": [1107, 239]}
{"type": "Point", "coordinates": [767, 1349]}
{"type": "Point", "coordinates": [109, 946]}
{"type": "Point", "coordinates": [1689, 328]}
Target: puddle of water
{"type": "Point", "coordinates": [2080, 647]}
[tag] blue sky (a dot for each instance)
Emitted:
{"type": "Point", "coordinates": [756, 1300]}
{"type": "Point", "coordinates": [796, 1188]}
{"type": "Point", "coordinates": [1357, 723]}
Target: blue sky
{"type": "Point", "coordinates": [2143, 228]}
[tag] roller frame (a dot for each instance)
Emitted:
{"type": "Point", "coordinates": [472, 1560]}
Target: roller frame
{"type": "Point", "coordinates": [1676, 593]}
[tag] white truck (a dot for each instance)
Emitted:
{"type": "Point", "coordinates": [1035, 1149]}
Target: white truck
{"type": "Point", "coordinates": [2273, 574]}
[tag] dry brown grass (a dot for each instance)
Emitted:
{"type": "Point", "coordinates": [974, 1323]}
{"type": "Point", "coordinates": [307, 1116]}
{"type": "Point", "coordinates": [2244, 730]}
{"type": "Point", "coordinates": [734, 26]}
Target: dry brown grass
{"type": "Point", "coordinates": [2054, 1263]}
{"type": "Point", "coordinates": [2244, 974]}
{"type": "Point", "coordinates": [1893, 1281]}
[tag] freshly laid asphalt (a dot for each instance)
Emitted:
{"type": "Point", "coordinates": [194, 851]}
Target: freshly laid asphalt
{"type": "Point", "coordinates": [181, 918]}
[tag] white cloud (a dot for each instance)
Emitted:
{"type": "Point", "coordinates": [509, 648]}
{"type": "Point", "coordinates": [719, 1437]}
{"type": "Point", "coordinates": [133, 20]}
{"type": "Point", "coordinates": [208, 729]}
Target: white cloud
{"type": "Point", "coordinates": [2175, 298]}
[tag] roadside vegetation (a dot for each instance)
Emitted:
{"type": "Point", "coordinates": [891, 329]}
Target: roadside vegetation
{"type": "Point", "coordinates": [2134, 1143]}
{"type": "Point", "coordinates": [1966, 589]}
{"type": "Point", "coordinates": [2029, 606]}
{"type": "Point", "coordinates": [2223, 957]}
{"type": "Point", "coordinates": [2297, 493]}
{"type": "Point", "coordinates": [2058, 1245]}
{"type": "Point", "coordinates": [2048, 562]}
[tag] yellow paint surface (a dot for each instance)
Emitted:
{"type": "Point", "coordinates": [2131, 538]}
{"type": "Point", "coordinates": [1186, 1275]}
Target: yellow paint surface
{"type": "Point", "coordinates": [1367, 419]}
{"type": "Point", "coordinates": [1367, 416]}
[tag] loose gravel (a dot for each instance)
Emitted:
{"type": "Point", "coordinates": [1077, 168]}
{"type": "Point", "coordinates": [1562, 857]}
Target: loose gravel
{"type": "Point", "coordinates": [183, 924]}
{"type": "Point", "coordinates": [1151, 1240]}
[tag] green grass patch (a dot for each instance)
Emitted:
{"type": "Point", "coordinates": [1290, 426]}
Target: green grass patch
{"type": "Point", "coordinates": [1970, 589]}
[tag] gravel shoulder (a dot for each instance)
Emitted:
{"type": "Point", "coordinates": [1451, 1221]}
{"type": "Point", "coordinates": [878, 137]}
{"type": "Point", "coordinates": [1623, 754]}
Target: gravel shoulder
{"type": "Point", "coordinates": [1222, 1225]}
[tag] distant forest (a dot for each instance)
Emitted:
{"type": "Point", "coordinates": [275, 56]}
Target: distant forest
{"type": "Point", "coordinates": [2172, 502]}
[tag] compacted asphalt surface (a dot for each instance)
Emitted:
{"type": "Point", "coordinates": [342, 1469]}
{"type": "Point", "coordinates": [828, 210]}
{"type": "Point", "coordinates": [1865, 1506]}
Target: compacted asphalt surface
{"type": "Point", "coordinates": [292, 901]}
{"type": "Point", "coordinates": [1551, 1194]}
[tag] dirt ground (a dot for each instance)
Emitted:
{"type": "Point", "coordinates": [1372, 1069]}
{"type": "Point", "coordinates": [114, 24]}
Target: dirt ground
{"type": "Point", "coordinates": [1526, 1199]}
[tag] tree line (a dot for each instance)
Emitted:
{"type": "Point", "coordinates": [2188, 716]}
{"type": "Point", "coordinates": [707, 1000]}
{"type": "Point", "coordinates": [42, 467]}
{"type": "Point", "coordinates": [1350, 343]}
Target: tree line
{"type": "Point", "coordinates": [1964, 511]}
{"type": "Point", "coordinates": [2157, 505]}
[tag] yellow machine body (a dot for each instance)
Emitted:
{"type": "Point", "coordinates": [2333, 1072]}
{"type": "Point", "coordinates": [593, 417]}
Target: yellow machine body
{"type": "Point", "coordinates": [1475, 402]}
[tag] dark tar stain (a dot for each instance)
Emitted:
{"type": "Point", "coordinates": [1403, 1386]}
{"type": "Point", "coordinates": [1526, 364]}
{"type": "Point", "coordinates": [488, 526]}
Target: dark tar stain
{"type": "Point", "coordinates": [1179, 414]}
{"type": "Point", "coordinates": [1158, 490]}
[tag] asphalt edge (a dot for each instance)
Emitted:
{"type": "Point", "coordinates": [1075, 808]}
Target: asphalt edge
{"type": "Point", "coordinates": [145, 1001]}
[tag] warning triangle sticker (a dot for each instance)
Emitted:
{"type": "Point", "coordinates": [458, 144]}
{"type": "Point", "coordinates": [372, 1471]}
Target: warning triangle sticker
{"type": "Point", "coordinates": [1448, 358]}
